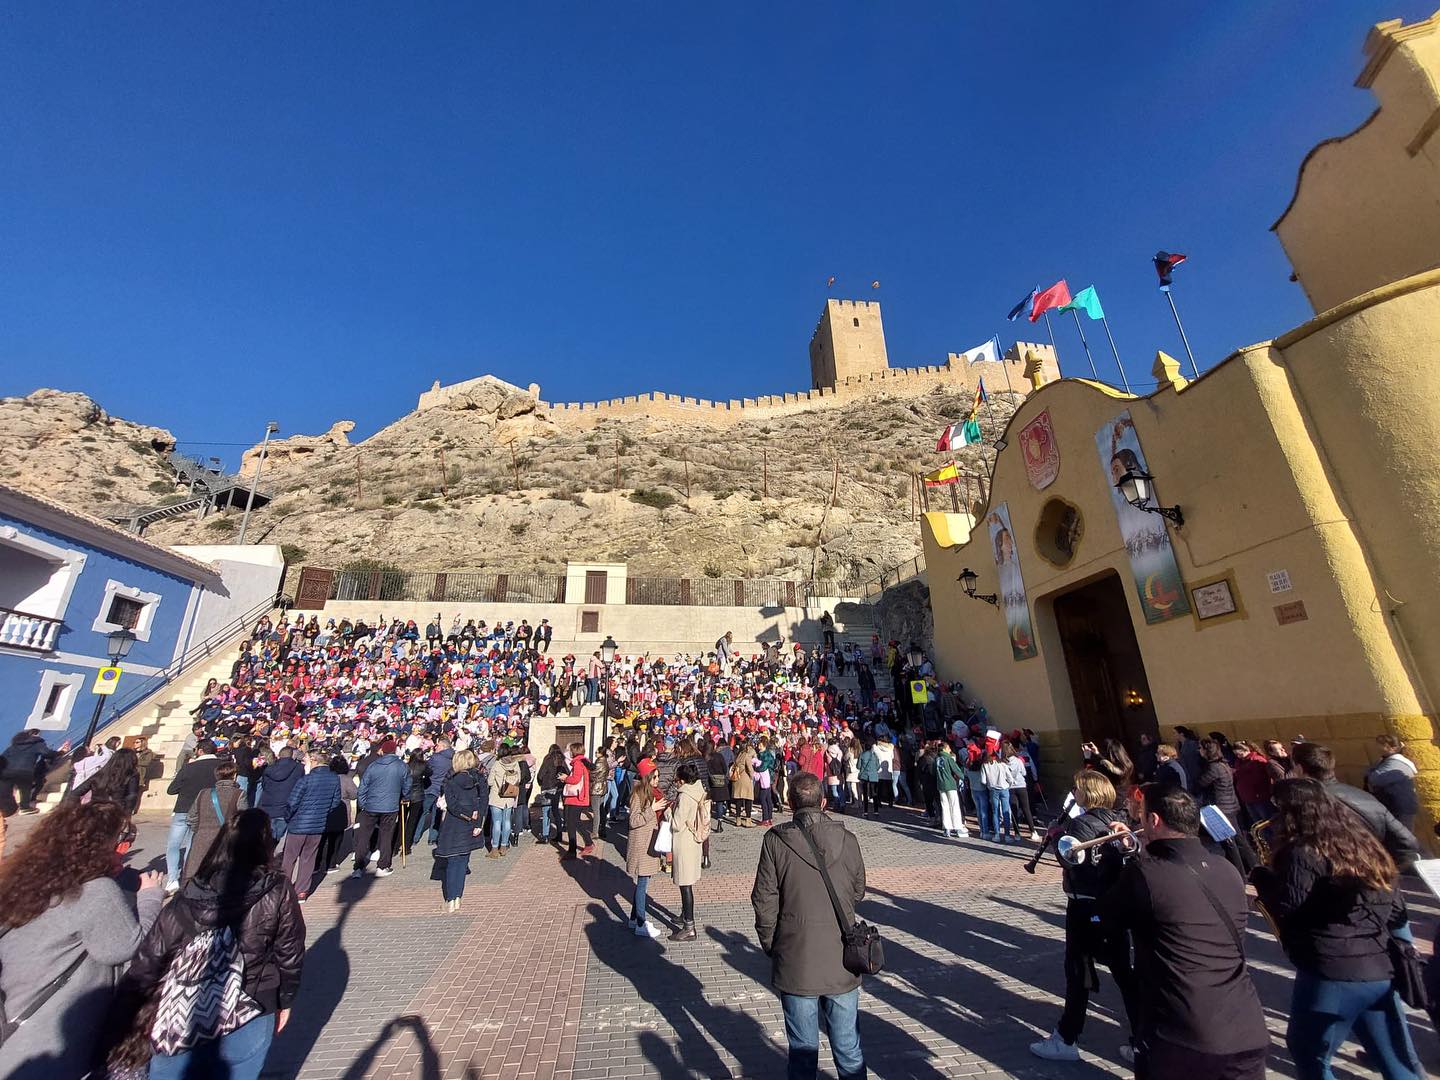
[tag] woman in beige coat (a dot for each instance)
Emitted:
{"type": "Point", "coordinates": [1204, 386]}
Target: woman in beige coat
{"type": "Point", "coordinates": [742, 785]}
{"type": "Point", "coordinates": [504, 790]}
{"type": "Point", "coordinates": [641, 863]}
{"type": "Point", "coordinates": [688, 817]}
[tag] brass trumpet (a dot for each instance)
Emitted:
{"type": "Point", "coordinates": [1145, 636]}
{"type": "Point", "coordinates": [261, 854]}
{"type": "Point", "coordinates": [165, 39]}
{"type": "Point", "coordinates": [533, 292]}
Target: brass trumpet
{"type": "Point", "coordinates": [1072, 852]}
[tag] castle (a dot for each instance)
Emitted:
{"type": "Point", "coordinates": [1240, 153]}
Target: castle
{"type": "Point", "coordinates": [848, 362]}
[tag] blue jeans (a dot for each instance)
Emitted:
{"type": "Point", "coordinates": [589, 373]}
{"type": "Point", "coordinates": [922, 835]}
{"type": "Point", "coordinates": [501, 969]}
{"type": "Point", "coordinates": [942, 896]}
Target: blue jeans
{"type": "Point", "coordinates": [642, 890]}
{"type": "Point", "coordinates": [500, 826]}
{"type": "Point", "coordinates": [278, 827]}
{"type": "Point", "coordinates": [980, 796]}
{"type": "Point", "coordinates": [1324, 1012]}
{"type": "Point", "coordinates": [545, 817]}
{"type": "Point", "coordinates": [802, 1029]}
{"type": "Point", "coordinates": [237, 1056]}
{"type": "Point", "coordinates": [176, 845]}
{"type": "Point", "coordinates": [452, 886]}
{"type": "Point", "coordinates": [1000, 818]}
{"type": "Point", "coordinates": [428, 818]}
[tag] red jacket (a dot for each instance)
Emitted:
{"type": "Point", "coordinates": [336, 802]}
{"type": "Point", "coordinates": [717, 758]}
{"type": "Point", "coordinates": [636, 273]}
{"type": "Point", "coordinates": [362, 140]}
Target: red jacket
{"type": "Point", "coordinates": [579, 774]}
{"type": "Point", "coordinates": [811, 759]}
{"type": "Point", "coordinates": [1252, 779]}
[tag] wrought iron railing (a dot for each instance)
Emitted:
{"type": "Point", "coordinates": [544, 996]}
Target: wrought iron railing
{"type": "Point", "coordinates": [911, 568]}
{"type": "Point", "coordinates": [136, 689]}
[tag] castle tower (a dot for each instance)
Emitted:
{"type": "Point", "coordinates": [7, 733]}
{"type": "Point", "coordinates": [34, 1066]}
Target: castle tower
{"type": "Point", "coordinates": [848, 341]}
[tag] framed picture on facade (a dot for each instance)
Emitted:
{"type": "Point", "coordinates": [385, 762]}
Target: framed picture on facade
{"type": "Point", "coordinates": [1215, 600]}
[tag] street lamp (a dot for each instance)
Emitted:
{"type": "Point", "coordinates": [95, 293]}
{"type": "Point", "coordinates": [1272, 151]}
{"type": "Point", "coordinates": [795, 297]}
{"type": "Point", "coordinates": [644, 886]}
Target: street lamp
{"type": "Point", "coordinates": [608, 648]}
{"type": "Point", "coordinates": [915, 656]}
{"type": "Point", "coordinates": [119, 648]}
{"type": "Point", "coordinates": [1136, 488]}
{"type": "Point", "coordinates": [270, 429]}
{"type": "Point", "coordinates": [967, 581]}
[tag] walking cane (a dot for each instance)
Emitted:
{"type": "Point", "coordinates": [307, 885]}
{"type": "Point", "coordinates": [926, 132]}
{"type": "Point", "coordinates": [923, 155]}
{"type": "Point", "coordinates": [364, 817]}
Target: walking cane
{"type": "Point", "coordinates": [403, 834]}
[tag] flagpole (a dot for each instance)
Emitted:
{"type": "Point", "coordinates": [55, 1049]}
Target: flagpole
{"type": "Point", "coordinates": [1085, 344]}
{"type": "Point", "coordinates": [1004, 366]}
{"type": "Point", "coordinates": [1053, 347]}
{"type": "Point", "coordinates": [1179, 326]}
{"type": "Point", "coordinates": [1123, 378]}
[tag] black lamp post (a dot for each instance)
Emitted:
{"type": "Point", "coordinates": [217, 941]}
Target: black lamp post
{"type": "Point", "coordinates": [967, 580]}
{"type": "Point", "coordinates": [1137, 489]}
{"type": "Point", "coordinates": [915, 656]}
{"type": "Point", "coordinates": [119, 648]}
{"type": "Point", "coordinates": [608, 648]}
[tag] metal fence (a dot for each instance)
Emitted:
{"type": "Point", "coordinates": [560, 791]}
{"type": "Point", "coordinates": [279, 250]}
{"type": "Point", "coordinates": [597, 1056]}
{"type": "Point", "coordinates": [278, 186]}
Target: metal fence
{"type": "Point", "coordinates": [542, 588]}
{"type": "Point", "coordinates": [871, 590]}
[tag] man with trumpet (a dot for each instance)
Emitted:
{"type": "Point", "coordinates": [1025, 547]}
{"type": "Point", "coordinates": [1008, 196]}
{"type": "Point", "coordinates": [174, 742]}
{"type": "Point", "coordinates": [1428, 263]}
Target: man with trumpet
{"type": "Point", "coordinates": [1092, 846]}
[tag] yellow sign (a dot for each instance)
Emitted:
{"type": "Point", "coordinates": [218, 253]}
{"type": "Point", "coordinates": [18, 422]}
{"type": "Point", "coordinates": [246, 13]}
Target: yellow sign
{"type": "Point", "coordinates": [919, 692]}
{"type": "Point", "coordinates": [106, 679]}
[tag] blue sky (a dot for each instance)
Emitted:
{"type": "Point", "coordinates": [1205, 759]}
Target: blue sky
{"type": "Point", "coordinates": [211, 216]}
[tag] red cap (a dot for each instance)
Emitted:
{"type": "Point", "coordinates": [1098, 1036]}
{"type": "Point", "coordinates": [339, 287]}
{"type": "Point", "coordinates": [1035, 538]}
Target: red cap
{"type": "Point", "coordinates": [646, 767]}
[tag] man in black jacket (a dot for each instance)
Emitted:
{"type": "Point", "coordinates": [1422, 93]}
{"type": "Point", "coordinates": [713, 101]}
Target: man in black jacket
{"type": "Point", "coordinates": [195, 776]}
{"type": "Point", "coordinates": [1318, 763]}
{"type": "Point", "coordinates": [799, 931]}
{"type": "Point", "coordinates": [1200, 1017]}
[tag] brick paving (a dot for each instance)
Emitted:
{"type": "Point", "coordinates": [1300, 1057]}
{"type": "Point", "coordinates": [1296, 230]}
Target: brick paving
{"type": "Point", "coordinates": [537, 978]}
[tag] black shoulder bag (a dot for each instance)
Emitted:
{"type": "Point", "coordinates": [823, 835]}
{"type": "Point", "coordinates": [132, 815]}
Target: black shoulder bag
{"type": "Point", "coordinates": [864, 953]}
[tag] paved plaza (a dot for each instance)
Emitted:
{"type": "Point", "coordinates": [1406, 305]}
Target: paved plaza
{"type": "Point", "coordinates": [538, 977]}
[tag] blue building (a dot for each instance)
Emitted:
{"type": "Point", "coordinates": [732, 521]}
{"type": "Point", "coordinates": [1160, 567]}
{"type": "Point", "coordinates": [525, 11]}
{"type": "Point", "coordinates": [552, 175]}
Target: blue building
{"type": "Point", "coordinates": [67, 581]}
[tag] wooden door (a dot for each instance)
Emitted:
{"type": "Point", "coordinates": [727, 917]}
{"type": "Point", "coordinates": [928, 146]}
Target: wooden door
{"type": "Point", "coordinates": [595, 583]}
{"type": "Point", "coordinates": [314, 587]}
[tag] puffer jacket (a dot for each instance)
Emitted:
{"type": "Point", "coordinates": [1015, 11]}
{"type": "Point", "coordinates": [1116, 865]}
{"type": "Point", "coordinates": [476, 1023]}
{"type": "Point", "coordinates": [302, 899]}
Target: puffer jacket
{"type": "Point", "coordinates": [1399, 841]}
{"type": "Point", "coordinates": [385, 783]}
{"type": "Point", "coordinates": [464, 813]}
{"type": "Point", "coordinates": [266, 918]}
{"type": "Point", "coordinates": [793, 915]}
{"type": "Point", "coordinates": [311, 800]}
{"type": "Point", "coordinates": [1101, 867]}
{"type": "Point", "coordinates": [276, 783]}
{"type": "Point", "coordinates": [1217, 788]}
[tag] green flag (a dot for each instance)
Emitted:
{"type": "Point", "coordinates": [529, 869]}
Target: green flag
{"type": "Point", "coordinates": [1088, 301]}
{"type": "Point", "coordinates": [971, 431]}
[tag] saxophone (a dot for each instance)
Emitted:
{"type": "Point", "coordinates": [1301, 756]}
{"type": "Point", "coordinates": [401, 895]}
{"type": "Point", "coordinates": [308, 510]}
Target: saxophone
{"type": "Point", "coordinates": [1261, 845]}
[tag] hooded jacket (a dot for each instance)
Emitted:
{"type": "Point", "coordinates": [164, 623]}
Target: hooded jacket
{"type": "Point", "coordinates": [266, 919]}
{"type": "Point", "coordinates": [794, 918]}
{"type": "Point", "coordinates": [276, 783]}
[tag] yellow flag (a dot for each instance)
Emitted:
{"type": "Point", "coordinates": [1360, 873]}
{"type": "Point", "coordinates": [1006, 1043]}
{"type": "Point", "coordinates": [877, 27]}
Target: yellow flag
{"type": "Point", "coordinates": [946, 474]}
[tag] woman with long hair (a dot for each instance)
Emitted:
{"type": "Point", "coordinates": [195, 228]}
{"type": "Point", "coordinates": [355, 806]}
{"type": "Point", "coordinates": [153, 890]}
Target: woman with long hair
{"type": "Point", "coordinates": [1112, 760]}
{"type": "Point", "coordinates": [1332, 891]}
{"type": "Point", "coordinates": [237, 894]}
{"type": "Point", "coordinates": [687, 839]}
{"type": "Point", "coordinates": [641, 863]}
{"type": "Point", "coordinates": [68, 929]}
{"type": "Point", "coordinates": [462, 828]}
{"type": "Point", "coordinates": [117, 781]}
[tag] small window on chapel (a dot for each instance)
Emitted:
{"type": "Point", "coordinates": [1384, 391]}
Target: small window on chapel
{"type": "Point", "coordinates": [857, 320]}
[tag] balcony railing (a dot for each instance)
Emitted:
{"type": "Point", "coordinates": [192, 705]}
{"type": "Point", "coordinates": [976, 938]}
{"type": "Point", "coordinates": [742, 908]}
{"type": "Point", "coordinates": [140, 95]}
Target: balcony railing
{"type": "Point", "coordinates": [22, 631]}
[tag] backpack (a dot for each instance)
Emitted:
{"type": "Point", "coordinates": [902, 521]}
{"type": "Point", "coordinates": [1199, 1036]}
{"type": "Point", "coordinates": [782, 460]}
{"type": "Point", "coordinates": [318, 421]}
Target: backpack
{"type": "Point", "coordinates": [202, 996]}
{"type": "Point", "coordinates": [701, 826]}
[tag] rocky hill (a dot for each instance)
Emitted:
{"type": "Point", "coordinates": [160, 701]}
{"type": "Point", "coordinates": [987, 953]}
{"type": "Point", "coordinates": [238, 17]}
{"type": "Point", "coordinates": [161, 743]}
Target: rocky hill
{"type": "Point", "coordinates": [487, 482]}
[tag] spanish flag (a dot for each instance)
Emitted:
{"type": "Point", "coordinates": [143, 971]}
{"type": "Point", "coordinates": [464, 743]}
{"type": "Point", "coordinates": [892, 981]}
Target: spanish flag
{"type": "Point", "coordinates": [946, 474]}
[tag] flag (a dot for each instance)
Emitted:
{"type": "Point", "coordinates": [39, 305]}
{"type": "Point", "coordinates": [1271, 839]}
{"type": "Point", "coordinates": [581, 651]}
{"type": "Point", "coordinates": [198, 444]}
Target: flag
{"type": "Point", "coordinates": [989, 351]}
{"type": "Point", "coordinates": [971, 432]}
{"type": "Point", "coordinates": [1053, 297]}
{"type": "Point", "coordinates": [1165, 263]}
{"type": "Point", "coordinates": [946, 474]}
{"type": "Point", "coordinates": [981, 397]}
{"type": "Point", "coordinates": [1022, 307]}
{"type": "Point", "coordinates": [951, 433]}
{"type": "Point", "coordinates": [875, 284]}
{"type": "Point", "coordinates": [830, 282]}
{"type": "Point", "coordinates": [1088, 301]}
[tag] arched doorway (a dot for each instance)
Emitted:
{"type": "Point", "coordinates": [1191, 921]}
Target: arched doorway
{"type": "Point", "coordinates": [1102, 657]}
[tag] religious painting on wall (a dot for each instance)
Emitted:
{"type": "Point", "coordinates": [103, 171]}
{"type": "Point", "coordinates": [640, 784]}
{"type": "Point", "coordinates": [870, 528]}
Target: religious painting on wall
{"type": "Point", "coordinates": [1147, 541]}
{"type": "Point", "coordinates": [1012, 585]}
{"type": "Point", "coordinates": [1041, 451]}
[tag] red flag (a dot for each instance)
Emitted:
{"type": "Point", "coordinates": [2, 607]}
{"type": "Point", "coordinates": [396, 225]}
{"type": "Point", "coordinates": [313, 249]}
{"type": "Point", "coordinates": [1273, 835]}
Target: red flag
{"type": "Point", "coordinates": [1165, 263]}
{"type": "Point", "coordinates": [1057, 295]}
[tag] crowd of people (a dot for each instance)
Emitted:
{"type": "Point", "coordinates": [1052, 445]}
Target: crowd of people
{"type": "Point", "coordinates": [342, 746]}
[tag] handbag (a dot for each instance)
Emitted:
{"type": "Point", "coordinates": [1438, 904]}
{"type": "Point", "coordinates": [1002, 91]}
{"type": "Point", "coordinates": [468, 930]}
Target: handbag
{"type": "Point", "coordinates": [1409, 978]}
{"type": "Point", "coordinates": [664, 839]}
{"type": "Point", "coordinates": [864, 952]}
{"type": "Point", "coordinates": [509, 790]}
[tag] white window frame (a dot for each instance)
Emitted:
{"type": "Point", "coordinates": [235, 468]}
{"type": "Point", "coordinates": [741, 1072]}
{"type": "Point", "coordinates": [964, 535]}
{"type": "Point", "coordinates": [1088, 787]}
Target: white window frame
{"type": "Point", "coordinates": [69, 564]}
{"type": "Point", "coordinates": [60, 719]}
{"type": "Point", "coordinates": [142, 626]}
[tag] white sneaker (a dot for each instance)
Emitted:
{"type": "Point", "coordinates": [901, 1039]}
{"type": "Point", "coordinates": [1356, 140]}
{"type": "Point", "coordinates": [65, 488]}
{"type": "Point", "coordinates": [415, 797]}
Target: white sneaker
{"type": "Point", "coordinates": [648, 929]}
{"type": "Point", "coordinates": [1054, 1048]}
{"type": "Point", "coordinates": [962, 835]}
{"type": "Point", "coordinates": [1127, 1053]}
{"type": "Point", "coordinates": [374, 856]}
{"type": "Point", "coordinates": [384, 873]}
